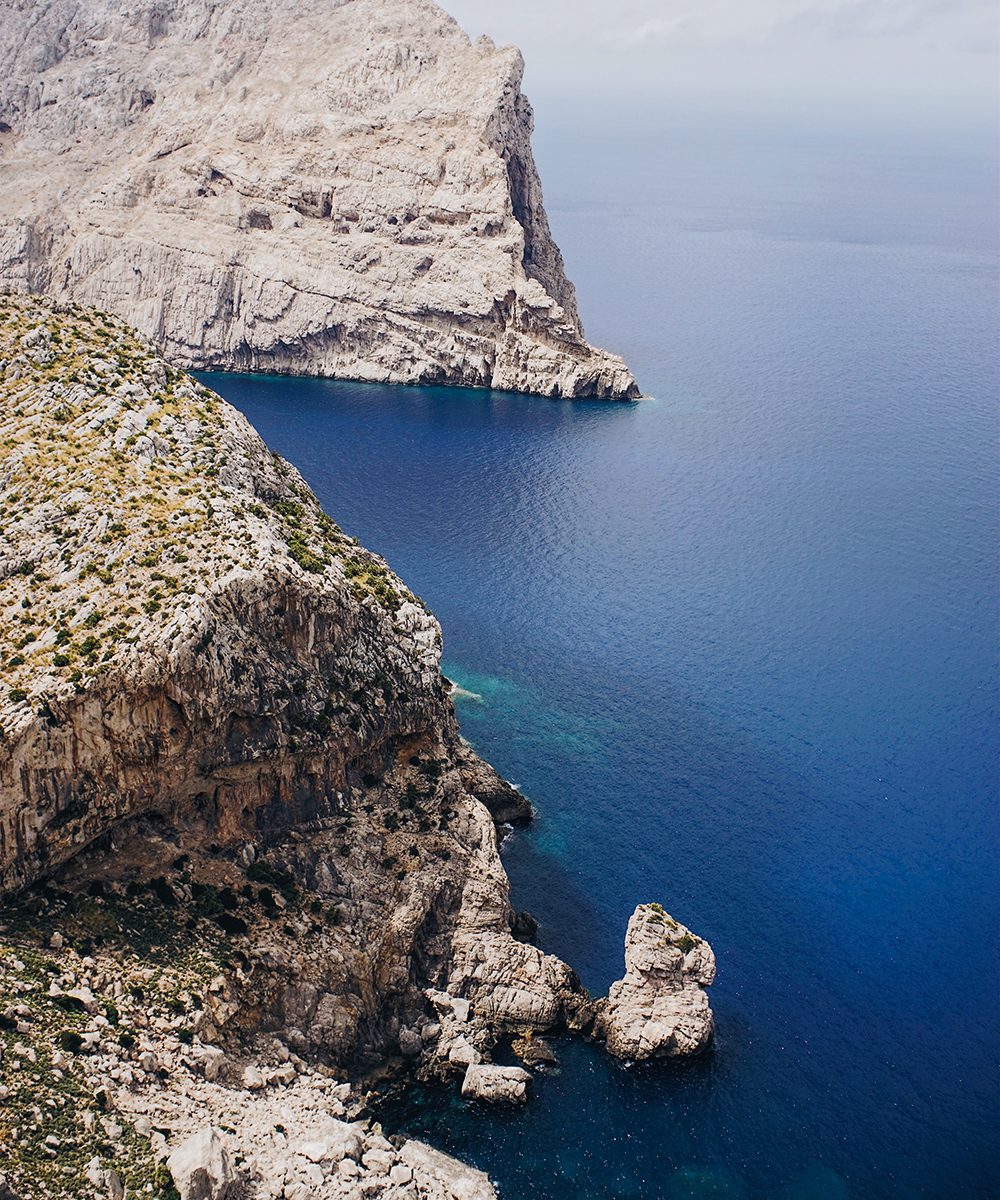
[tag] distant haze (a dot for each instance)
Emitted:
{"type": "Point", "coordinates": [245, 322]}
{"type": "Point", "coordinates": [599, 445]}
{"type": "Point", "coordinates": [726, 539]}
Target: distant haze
{"type": "Point", "coordinates": [936, 58]}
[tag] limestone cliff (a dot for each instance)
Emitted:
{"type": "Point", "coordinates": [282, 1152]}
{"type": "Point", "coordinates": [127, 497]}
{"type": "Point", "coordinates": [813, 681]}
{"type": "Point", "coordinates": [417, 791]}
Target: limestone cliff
{"type": "Point", "coordinates": [194, 652]}
{"type": "Point", "coordinates": [331, 187]}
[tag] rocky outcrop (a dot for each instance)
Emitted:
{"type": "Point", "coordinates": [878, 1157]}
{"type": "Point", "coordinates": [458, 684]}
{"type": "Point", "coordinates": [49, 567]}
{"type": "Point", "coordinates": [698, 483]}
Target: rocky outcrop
{"type": "Point", "coordinates": [335, 187]}
{"type": "Point", "coordinates": [660, 1008]}
{"type": "Point", "coordinates": [496, 1085]}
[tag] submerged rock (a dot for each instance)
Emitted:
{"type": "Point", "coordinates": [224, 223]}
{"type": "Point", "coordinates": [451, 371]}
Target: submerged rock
{"type": "Point", "coordinates": [660, 1008]}
{"type": "Point", "coordinates": [339, 189]}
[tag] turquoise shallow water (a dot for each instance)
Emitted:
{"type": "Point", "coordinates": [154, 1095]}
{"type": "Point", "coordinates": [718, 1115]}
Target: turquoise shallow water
{"type": "Point", "coordinates": [738, 645]}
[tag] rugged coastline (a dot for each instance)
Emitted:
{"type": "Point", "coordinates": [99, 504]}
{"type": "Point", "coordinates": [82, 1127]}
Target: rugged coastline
{"type": "Point", "coordinates": [342, 189]}
{"type": "Point", "coordinates": [247, 858]}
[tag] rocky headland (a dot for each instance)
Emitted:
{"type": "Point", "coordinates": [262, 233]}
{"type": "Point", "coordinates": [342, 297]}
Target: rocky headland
{"type": "Point", "coordinates": [333, 187]}
{"type": "Point", "coordinates": [247, 861]}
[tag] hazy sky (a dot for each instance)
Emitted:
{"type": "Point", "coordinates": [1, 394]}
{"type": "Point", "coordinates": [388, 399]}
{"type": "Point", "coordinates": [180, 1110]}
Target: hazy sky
{"type": "Point", "coordinates": [847, 52]}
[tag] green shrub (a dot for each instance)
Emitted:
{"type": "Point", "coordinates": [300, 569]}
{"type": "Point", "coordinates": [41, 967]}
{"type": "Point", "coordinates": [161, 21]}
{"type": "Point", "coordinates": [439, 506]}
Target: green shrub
{"type": "Point", "coordinates": [70, 1041]}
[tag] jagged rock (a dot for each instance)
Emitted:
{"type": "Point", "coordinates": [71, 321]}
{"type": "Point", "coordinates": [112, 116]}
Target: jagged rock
{"type": "Point", "coordinates": [211, 1060]}
{"type": "Point", "coordinates": [461, 1053]}
{"type": "Point", "coordinates": [504, 1085]}
{"type": "Point", "coordinates": [378, 1160]}
{"type": "Point", "coordinates": [534, 1051]}
{"type": "Point", "coordinates": [455, 1180]}
{"type": "Point", "coordinates": [217, 698]}
{"type": "Point", "coordinates": [201, 1168]}
{"type": "Point", "coordinates": [253, 1079]}
{"type": "Point", "coordinates": [410, 1043]}
{"type": "Point", "coordinates": [660, 1007]}
{"type": "Point", "coordinates": [524, 927]}
{"type": "Point", "coordinates": [339, 189]}
{"type": "Point", "coordinates": [107, 1181]}
{"type": "Point", "coordinates": [506, 804]}
{"type": "Point", "coordinates": [331, 1141]}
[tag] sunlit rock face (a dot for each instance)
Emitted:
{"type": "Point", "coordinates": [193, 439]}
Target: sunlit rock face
{"type": "Point", "coordinates": [335, 187]}
{"type": "Point", "coordinates": [659, 1008]}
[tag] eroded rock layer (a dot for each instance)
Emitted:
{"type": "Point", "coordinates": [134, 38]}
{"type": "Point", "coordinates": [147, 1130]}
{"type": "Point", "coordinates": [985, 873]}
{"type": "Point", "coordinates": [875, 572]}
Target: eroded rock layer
{"type": "Point", "coordinates": [334, 187]}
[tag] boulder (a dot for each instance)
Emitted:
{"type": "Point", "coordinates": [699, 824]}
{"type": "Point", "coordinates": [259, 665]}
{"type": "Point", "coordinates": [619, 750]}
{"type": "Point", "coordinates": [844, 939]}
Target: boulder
{"type": "Point", "coordinates": [439, 1174]}
{"type": "Point", "coordinates": [503, 1085]}
{"type": "Point", "coordinates": [201, 1168]}
{"type": "Point", "coordinates": [410, 1043]}
{"type": "Point", "coordinates": [330, 1140]}
{"type": "Point", "coordinates": [659, 1008]}
{"type": "Point", "coordinates": [534, 1051]}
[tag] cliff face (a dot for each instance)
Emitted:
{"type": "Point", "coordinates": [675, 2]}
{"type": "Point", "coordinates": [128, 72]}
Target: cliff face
{"type": "Point", "coordinates": [200, 670]}
{"type": "Point", "coordinates": [335, 187]}
{"type": "Point", "coordinates": [240, 838]}
{"type": "Point", "coordinates": [244, 853]}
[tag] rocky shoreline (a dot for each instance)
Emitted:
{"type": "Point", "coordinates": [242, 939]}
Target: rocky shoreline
{"type": "Point", "coordinates": [247, 859]}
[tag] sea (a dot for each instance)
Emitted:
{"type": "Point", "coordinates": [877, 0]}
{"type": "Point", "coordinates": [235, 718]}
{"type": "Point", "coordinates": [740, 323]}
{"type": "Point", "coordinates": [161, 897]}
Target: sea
{"type": "Point", "coordinates": [737, 642]}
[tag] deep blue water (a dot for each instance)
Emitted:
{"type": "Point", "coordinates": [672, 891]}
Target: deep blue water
{"type": "Point", "coordinates": [739, 646]}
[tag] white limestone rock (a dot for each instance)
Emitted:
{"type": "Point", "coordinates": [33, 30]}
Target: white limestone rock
{"type": "Point", "coordinates": [201, 1168]}
{"type": "Point", "coordinates": [496, 1085]}
{"type": "Point", "coordinates": [660, 1008]}
{"type": "Point", "coordinates": [330, 1140]}
{"type": "Point", "coordinates": [334, 187]}
{"type": "Point", "coordinates": [441, 1175]}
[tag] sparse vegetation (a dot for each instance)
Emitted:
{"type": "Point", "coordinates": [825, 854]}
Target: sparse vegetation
{"type": "Point", "coordinates": [125, 460]}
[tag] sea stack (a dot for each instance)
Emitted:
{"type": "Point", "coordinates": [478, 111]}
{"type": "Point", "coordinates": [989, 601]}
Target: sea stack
{"type": "Point", "coordinates": [343, 189]}
{"type": "Point", "coordinates": [659, 1009]}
